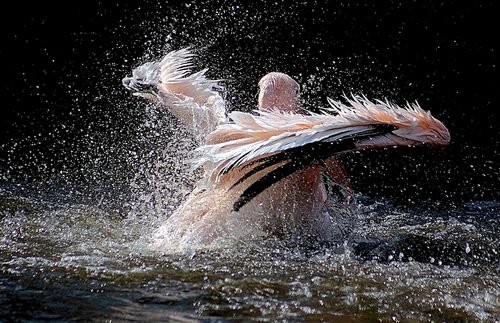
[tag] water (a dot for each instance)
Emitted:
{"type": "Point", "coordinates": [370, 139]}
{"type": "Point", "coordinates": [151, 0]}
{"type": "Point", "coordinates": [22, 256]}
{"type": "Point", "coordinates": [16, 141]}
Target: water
{"type": "Point", "coordinates": [111, 169]}
{"type": "Point", "coordinates": [76, 260]}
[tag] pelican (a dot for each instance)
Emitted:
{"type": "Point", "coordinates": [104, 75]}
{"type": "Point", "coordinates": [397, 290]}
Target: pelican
{"type": "Point", "coordinates": [271, 172]}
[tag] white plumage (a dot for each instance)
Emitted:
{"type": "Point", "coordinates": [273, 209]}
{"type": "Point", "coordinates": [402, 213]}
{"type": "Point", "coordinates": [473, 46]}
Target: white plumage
{"type": "Point", "coordinates": [264, 172]}
{"type": "Point", "coordinates": [191, 98]}
{"type": "Point", "coordinates": [274, 131]}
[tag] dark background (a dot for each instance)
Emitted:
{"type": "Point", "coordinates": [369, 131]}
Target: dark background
{"type": "Point", "coordinates": [63, 106]}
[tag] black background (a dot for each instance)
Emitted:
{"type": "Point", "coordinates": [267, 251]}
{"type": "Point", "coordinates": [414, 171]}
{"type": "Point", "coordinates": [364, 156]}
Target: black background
{"type": "Point", "coordinates": [62, 66]}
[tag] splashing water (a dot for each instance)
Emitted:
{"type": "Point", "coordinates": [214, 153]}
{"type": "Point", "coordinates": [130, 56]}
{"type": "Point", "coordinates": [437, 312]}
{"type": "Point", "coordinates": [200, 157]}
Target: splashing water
{"type": "Point", "coordinates": [73, 245]}
{"type": "Point", "coordinates": [88, 258]}
{"type": "Point", "coordinates": [93, 264]}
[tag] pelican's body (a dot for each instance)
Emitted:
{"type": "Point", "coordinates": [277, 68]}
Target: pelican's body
{"type": "Point", "coordinates": [265, 174]}
{"type": "Point", "coordinates": [292, 207]}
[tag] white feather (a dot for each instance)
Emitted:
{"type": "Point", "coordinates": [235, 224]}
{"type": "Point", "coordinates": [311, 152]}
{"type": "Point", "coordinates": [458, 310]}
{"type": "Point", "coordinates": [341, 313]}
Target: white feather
{"type": "Point", "coordinates": [270, 132]}
{"type": "Point", "coordinates": [190, 97]}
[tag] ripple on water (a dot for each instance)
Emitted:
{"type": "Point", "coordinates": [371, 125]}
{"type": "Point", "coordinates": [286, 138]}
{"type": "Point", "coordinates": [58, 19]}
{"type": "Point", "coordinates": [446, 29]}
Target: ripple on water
{"type": "Point", "coordinates": [76, 260]}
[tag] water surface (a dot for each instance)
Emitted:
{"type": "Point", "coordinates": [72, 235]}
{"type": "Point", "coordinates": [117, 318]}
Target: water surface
{"type": "Point", "coordinates": [69, 259]}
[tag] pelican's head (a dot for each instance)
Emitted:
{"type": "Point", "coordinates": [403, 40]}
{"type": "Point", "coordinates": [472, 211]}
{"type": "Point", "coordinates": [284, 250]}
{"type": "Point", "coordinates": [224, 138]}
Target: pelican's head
{"type": "Point", "coordinates": [279, 91]}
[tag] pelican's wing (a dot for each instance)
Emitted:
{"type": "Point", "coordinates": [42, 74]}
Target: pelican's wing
{"type": "Point", "coordinates": [278, 144]}
{"type": "Point", "coordinates": [299, 158]}
{"type": "Point", "coordinates": [190, 97]}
